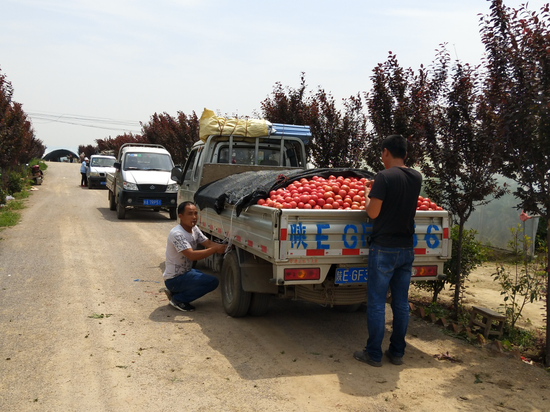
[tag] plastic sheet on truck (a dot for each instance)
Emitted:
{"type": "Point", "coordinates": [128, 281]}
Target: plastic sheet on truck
{"type": "Point", "coordinates": [245, 189]}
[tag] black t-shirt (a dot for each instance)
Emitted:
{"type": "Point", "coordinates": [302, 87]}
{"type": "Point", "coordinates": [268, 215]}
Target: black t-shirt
{"type": "Point", "coordinates": [398, 188]}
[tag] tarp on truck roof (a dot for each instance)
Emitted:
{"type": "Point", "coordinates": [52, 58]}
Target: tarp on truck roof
{"type": "Point", "coordinates": [245, 189]}
{"type": "Point", "coordinates": [212, 125]}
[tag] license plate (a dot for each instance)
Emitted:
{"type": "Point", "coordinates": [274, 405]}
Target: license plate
{"type": "Point", "coordinates": [103, 183]}
{"type": "Point", "coordinates": [152, 202]}
{"type": "Point", "coordinates": [351, 275]}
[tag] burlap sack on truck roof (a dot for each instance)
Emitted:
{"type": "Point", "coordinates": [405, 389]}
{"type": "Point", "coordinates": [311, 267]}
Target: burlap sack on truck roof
{"type": "Point", "coordinates": [210, 124]}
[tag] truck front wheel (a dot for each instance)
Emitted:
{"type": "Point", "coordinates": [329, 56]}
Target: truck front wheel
{"type": "Point", "coordinates": [120, 211]}
{"type": "Point", "coordinates": [235, 300]}
{"type": "Point", "coordinates": [173, 213]}
{"type": "Point", "coordinates": [112, 204]}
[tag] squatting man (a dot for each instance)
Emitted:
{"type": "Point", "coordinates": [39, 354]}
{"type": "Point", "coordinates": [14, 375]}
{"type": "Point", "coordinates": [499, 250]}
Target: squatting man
{"type": "Point", "coordinates": [183, 283]}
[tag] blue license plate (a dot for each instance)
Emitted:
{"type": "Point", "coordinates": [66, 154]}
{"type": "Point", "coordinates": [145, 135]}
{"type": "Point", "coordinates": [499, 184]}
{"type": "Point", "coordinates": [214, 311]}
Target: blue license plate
{"type": "Point", "coordinates": [351, 275]}
{"type": "Point", "coordinates": [152, 202]}
{"type": "Point", "coordinates": [103, 183]}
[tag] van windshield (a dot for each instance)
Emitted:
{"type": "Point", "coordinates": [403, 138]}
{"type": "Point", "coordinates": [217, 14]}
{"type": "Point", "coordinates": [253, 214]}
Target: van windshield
{"type": "Point", "coordinates": [103, 162]}
{"type": "Point", "coordinates": [148, 161]}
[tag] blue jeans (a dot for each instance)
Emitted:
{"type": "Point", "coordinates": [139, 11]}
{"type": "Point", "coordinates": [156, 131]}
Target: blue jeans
{"type": "Point", "coordinates": [388, 268]}
{"type": "Point", "coordinates": [191, 285]}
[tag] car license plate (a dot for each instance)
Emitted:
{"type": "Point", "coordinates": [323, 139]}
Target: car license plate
{"type": "Point", "coordinates": [152, 202]}
{"type": "Point", "coordinates": [351, 275]}
{"type": "Point", "coordinates": [103, 183]}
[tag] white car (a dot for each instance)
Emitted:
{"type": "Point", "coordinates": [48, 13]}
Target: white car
{"type": "Point", "coordinates": [98, 168]}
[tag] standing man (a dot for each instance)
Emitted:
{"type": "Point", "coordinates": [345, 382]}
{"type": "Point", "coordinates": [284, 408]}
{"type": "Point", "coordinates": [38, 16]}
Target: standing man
{"type": "Point", "coordinates": [183, 283]}
{"type": "Point", "coordinates": [391, 203]}
{"type": "Point", "coordinates": [83, 170]}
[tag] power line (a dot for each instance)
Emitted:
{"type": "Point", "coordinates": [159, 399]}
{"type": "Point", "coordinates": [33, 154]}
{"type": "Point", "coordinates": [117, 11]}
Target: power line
{"type": "Point", "coordinates": [86, 121]}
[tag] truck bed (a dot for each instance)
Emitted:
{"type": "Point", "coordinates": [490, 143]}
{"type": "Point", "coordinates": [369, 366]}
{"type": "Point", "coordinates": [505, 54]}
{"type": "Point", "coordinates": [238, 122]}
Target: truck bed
{"type": "Point", "coordinates": [325, 237]}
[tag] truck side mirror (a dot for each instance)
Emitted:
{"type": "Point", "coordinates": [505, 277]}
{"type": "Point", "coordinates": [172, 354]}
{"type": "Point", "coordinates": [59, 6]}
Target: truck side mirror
{"type": "Point", "coordinates": [177, 174]}
{"type": "Point", "coordinates": [116, 165]}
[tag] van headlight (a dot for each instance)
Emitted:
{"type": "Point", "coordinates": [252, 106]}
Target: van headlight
{"type": "Point", "coordinates": [129, 186]}
{"type": "Point", "coordinates": [172, 188]}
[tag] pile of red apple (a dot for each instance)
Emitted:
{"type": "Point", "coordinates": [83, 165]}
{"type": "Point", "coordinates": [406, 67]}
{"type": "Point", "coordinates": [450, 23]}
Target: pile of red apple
{"type": "Point", "coordinates": [341, 193]}
{"type": "Point", "coordinates": [424, 203]}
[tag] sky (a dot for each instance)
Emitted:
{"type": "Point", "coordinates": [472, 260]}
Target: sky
{"type": "Point", "coordinates": [92, 69]}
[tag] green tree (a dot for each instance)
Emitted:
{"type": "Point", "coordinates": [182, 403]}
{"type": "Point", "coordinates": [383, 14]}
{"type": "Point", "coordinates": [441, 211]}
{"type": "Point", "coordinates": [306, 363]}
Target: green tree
{"type": "Point", "coordinates": [460, 164]}
{"type": "Point", "coordinates": [338, 136]}
{"type": "Point", "coordinates": [114, 144]}
{"type": "Point", "coordinates": [517, 87]}
{"type": "Point", "coordinates": [18, 144]}
{"type": "Point", "coordinates": [88, 150]}
{"type": "Point", "coordinates": [288, 105]}
{"type": "Point", "coordinates": [177, 134]}
{"type": "Point", "coordinates": [441, 113]}
{"type": "Point", "coordinates": [399, 103]}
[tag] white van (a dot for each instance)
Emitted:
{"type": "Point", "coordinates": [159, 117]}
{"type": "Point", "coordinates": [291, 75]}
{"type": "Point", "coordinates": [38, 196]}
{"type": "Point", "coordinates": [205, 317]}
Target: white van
{"type": "Point", "coordinates": [98, 168]}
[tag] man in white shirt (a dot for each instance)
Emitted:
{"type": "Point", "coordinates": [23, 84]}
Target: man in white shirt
{"type": "Point", "coordinates": [183, 283]}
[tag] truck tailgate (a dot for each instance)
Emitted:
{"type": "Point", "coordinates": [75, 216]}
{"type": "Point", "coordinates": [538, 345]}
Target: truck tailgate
{"type": "Point", "coordinates": [345, 233]}
{"type": "Point", "coordinates": [336, 236]}
{"type": "Point", "coordinates": [255, 230]}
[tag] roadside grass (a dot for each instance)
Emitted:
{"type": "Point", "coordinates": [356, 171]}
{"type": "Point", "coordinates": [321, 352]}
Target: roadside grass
{"type": "Point", "coordinates": [10, 213]}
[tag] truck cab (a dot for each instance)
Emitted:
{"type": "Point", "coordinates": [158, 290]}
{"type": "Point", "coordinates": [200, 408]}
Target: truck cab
{"type": "Point", "coordinates": [221, 156]}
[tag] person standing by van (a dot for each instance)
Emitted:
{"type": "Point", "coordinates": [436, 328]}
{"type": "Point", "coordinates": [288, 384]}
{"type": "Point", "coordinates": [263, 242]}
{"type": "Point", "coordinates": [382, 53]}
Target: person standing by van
{"type": "Point", "coordinates": [83, 170]}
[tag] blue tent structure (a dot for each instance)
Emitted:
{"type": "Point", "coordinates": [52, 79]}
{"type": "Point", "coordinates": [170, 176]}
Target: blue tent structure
{"type": "Point", "coordinates": [61, 154]}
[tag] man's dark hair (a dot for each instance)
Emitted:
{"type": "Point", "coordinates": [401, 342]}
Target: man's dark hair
{"type": "Point", "coordinates": [396, 145]}
{"type": "Point", "coordinates": [183, 205]}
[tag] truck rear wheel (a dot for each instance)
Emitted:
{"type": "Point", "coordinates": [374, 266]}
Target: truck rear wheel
{"type": "Point", "coordinates": [235, 300]}
{"type": "Point", "coordinates": [120, 210]}
{"type": "Point", "coordinates": [259, 303]}
{"type": "Point", "coordinates": [112, 204]}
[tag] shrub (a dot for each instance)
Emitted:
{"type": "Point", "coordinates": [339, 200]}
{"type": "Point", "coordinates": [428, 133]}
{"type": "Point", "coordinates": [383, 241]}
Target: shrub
{"type": "Point", "coordinates": [473, 254]}
{"type": "Point", "coordinates": [43, 165]}
{"type": "Point", "coordinates": [16, 183]}
{"type": "Point", "coordinates": [525, 283]}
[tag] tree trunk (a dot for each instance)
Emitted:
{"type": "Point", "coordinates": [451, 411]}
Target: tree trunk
{"type": "Point", "coordinates": [458, 275]}
{"type": "Point", "coordinates": [547, 360]}
{"type": "Point", "coordinates": [439, 285]}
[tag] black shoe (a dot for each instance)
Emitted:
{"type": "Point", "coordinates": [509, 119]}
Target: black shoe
{"type": "Point", "coordinates": [363, 356]}
{"type": "Point", "coordinates": [184, 306]}
{"type": "Point", "coordinates": [396, 360]}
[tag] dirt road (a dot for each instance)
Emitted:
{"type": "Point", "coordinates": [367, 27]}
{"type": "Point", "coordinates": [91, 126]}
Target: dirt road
{"type": "Point", "coordinates": [84, 328]}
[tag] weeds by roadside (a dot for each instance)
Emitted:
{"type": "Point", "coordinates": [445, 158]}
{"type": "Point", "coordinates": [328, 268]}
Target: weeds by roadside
{"type": "Point", "coordinates": [10, 212]}
{"type": "Point", "coordinates": [12, 198]}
